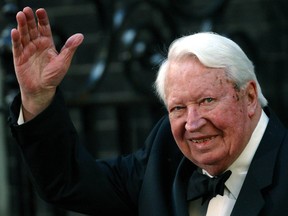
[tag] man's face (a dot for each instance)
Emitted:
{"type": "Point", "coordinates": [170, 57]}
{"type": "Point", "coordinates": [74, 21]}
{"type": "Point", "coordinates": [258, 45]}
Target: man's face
{"type": "Point", "coordinates": [210, 117]}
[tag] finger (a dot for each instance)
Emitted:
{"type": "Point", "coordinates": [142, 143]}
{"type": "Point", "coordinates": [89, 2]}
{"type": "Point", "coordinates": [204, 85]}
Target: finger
{"type": "Point", "coordinates": [16, 43]}
{"type": "Point", "coordinates": [31, 23]}
{"type": "Point", "coordinates": [69, 48]}
{"type": "Point", "coordinates": [23, 28]}
{"type": "Point", "coordinates": [43, 23]}
{"type": "Point", "coordinates": [74, 41]}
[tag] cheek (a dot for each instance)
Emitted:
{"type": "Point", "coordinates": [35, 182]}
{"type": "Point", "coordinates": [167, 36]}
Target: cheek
{"type": "Point", "coordinates": [233, 125]}
{"type": "Point", "coordinates": [231, 113]}
{"type": "Point", "coordinates": [239, 117]}
{"type": "Point", "coordinates": [178, 131]}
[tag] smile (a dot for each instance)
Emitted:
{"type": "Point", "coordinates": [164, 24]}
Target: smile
{"type": "Point", "coordinates": [202, 140]}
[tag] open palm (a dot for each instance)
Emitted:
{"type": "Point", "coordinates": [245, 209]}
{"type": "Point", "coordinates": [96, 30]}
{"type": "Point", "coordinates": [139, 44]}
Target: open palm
{"type": "Point", "coordinates": [39, 67]}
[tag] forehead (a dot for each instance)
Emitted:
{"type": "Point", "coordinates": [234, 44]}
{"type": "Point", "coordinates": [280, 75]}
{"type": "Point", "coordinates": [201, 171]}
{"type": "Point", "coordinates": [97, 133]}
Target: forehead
{"type": "Point", "coordinates": [189, 69]}
{"type": "Point", "coordinates": [189, 76]}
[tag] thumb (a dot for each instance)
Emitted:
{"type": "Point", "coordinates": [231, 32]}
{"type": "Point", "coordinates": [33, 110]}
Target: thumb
{"type": "Point", "coordinates": [73, 42]}
{"type": "Point", "coordinates": [68, 50]}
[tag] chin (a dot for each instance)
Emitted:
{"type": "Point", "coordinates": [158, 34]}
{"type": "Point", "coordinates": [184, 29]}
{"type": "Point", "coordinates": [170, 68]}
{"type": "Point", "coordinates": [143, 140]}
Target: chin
{"type": "Point", "coordinates": [208, 160]}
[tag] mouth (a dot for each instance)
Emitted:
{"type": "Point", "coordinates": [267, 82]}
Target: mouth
{"type": "Point", "coordinates": [202, 140]}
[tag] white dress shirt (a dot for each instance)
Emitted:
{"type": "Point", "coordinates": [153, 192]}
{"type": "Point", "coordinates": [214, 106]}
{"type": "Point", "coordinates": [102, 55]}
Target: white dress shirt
{"type": "Point", "coordinates": [223, 205]}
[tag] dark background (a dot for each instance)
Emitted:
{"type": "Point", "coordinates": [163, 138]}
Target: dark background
{"type": "Point", "coordinates": [109, 86]}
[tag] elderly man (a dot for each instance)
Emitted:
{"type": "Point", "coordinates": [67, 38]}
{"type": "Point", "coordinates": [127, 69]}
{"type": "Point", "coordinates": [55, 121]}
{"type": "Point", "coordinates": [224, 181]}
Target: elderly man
{"type": "Point", "coordinates": [219, 151]}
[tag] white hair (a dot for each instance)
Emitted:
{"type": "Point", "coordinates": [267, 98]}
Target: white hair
{"type": "Point", "coordinates": [214, 51]}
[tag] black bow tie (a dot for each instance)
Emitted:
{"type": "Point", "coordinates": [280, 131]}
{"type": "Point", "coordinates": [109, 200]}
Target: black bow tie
{"type": "Point", "coordinates": [201, 185]}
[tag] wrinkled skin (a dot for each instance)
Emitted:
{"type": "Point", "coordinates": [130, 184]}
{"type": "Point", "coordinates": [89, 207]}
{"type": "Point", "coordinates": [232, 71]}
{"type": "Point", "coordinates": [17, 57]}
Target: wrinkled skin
{"type": "Point", "coordinates": [39, 67]}
{"type": "Point", "coordinates": [211, 118]}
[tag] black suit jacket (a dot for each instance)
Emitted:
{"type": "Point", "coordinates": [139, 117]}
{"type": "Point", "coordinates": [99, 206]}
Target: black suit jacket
{"type": "Point", "coordinates": [149, 182]}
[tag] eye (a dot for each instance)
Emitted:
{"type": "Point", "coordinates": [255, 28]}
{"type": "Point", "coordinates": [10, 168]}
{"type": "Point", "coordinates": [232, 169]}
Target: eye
{"type": "Point", "coordinates": [177, 108]}
{"type": "Point", "coordinates": [177, 111]}
{"type": "Point", "coordinates": [208, 100]}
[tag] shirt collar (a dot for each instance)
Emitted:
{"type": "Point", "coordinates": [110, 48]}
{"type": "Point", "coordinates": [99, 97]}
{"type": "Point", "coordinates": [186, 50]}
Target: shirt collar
{"type": "Point", "coordinates": [240, 167]}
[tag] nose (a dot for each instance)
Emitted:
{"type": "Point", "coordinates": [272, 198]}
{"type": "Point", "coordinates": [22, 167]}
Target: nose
{"type": "Point", "coordinates": [194, 119]}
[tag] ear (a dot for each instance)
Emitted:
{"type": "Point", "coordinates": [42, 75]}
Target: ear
{"type": "Point", "coordinates": [252, 98]}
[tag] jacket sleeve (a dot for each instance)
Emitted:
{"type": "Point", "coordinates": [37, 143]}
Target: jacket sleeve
{"type": "Point", "coordinates": [65, 174]}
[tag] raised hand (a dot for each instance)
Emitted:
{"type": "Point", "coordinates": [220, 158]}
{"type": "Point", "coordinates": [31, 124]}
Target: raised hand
{"type": "Point", "coordinates": [39, 67]}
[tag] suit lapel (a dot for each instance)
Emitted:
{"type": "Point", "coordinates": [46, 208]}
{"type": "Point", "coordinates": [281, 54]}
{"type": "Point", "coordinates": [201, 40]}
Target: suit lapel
{"type": "Point", "coordinates": [183, 173]}
{"type": "Point", "coordinates": [260, 174]}
{"type": "Point", "coordinates": [164, 158]}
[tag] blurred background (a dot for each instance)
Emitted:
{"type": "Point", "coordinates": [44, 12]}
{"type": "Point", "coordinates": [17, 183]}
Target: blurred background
{"type": "Point", "coordinates": [109, 86]}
